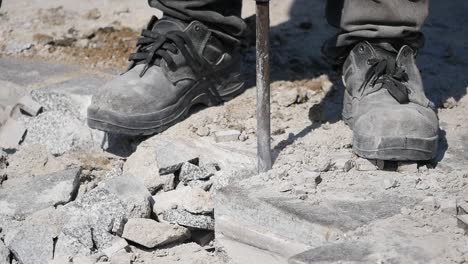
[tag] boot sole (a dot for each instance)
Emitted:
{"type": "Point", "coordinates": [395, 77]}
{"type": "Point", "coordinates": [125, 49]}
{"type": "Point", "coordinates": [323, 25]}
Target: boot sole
{"type": "Point", "coordinates": [153, 123]}
{"type": "Point", "coordinates": [395, 148]}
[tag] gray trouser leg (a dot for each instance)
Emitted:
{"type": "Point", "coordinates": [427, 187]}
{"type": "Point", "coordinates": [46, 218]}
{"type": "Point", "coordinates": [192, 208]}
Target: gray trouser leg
{"type": "Point", "coordinates": [397, 22]}
{"type": "Point", "coordinates": [224, 15]}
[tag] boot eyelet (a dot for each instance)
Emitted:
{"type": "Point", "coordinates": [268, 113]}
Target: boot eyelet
{"type": "Point", "coordinates": [361, 49]}
{"type": "Point", "coordinates": [197, 28]}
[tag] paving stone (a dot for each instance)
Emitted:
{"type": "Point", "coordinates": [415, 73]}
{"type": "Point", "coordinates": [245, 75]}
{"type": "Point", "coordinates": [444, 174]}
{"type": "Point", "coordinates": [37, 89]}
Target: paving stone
{"type": "Point", "coordinates": [227, 136]}
{"type": "Point", "coordinates": [143, 164]}
{"type": "Point", "coordinates": [184, 218]}
{"type": "Point", "coordinates": [348, 252]}
{"type": "Point", "coordinates": [151, 234]}
{"type": "Point", "coordinates": [21, 196]}
{"type": "Point", "coordinates": [4, 254]}
{"type": "Point", "coordinates": [27, 72]}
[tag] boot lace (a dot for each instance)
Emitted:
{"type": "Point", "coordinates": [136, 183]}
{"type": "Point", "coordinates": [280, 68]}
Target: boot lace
{"type": "Point", "coordinates": [153, 47]}
{"type": "Point", "coordinates": [386, 72]}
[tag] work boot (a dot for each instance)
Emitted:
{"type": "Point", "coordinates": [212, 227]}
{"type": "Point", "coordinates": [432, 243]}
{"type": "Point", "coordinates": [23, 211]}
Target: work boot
{"type": "Point", "coordinates": [177, 65]}
{"type": "Point", "coordinates": [385, 105]}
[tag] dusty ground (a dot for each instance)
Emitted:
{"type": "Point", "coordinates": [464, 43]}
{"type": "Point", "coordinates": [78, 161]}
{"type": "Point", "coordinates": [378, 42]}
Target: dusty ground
{"type": "Point", "coordinates": [307, 131]}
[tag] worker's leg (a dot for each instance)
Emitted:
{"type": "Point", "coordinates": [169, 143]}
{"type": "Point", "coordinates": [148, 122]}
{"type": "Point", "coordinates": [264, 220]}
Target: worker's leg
{"type": "Point", "coordinates": [397, 22]}
{"type": "Point", "coordinates": [223, 15]}
{"type": "Point", "coordinates": [384, 103]}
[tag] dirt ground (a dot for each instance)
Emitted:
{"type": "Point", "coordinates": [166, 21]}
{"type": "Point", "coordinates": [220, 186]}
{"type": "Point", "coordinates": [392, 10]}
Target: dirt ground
{"type": "Point", "coordinates": [306, 108]}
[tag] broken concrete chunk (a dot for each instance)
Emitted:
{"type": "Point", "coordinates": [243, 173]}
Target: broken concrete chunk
{"type": "Point", "coordinates": [227, 136]}
{"type": "Point", "coordinates": [85, 260]}
{"type": "Point", "coordinates": [33, 244]}
{"type": "Point", "coordinates": [430, 203]}
{"type": "Point", "coordinates": [347, 252]}
{"type": "Point", "coordinates": [11, 134]}
{"type": "Point", "coordinates": [168, 182]}
{"type": "Point", "coordinates": [193, 200]}
{"type": "Point", "coordinates": [184, 218]}
{"type": "Point", "coordinates": [287, 97]}
{"type": "Point", "coordinates": [25, 195]}
{"type": "Point", "coordinates": [462, 208]}
{"type": "Point", "coordinates": [143, 164]}
{"type": "Point", "coordinates": [171, 155]}
{"type": "Point", "coordinates": [150, 234]}
{"type": "Point", "coordinates": [368, 165]}
{"type": "Point", "coordinates": [28, 105]}
{"type": "Point", "coordinates": [117, 245]}
{"type": "Point", "coordinates": [190, 172]}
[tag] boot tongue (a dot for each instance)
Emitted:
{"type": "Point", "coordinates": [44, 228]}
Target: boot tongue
{"type": "Point", "coordinates": [167, 24]}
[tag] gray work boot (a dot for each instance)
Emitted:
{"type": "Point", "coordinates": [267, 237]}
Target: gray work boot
{"type": "Point", "coordinates": [386, 107]}
{"type": "Point", "coordinates": [177, 65]}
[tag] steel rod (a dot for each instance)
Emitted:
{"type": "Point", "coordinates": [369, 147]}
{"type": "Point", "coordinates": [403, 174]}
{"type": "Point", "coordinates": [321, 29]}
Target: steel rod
{"type": "Point", "coordinates": [263, 87]}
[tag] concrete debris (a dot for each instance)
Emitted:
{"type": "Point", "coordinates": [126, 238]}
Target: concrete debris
{"type": "Point", "coordinates": [143, 164]}
{"type": "Point", "coordinates": [168, 182]}
{"type": "Point", "coordinates": [227, 136]}
{"type": "Point", "coordinates": [184, 218]}
{"type": "Point", "coordinates": [61, 260]}
{"type": "Point", "coordinates": [116, 246]}
{"type": "Point", "coordinates": [151, 234]}
{"type": "Point", "coordinates": [193, 200]}
{"type": "Point", "coordinates": [463, 222]}
{"type": "Point", "coordinates": [85, 260]}
{"type": "Point", "coordinates": [11, 134]}
{"type": "Point", "coordinates": [287, 97]}
{"type": "Point", "coordinates": [24, 195]}
{"type": "Point", "coordinates": [462, 207]}
{"type": "Point", "coordinates": [171, 155]}
{"type": "Point", "coordinates": [368, 165]}
{"type": "Point", "coordinates": [430, 203]}
{"type": "Point", "coordinates": [203, 131]}
{"type": "Point", "coordinates": [190, 172]}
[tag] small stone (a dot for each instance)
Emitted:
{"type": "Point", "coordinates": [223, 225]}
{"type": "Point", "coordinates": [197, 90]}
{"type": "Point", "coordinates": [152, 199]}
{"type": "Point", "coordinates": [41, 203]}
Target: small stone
{"type": "Point", "coordinates": [227, 136]}
{"type": "Point", "coordinates": [150, 234]}
{"type": "Point", "coordinates": [190, 172]}
{"type": "Point", "coordinates": [169, 182]}
{"type": "Point", "coordinates": [287, 97]}
{"type": "Point", "coordinates": [422, 185]}
{"type": "Point", "coordinates": [390, 183]}
{"type": "Point", "coordinates": [144, 165]}
{"type": "Point", "coordinates": [286, 187]}
{"type": "Point", "coordinates": [82, 43]}
{"type": "Point", "coordinates": [450, 103]}
{"type": "Point", "coordinates": [203, 131]}
{"type": "Point", "coordinates": [172, 154]}
{"type": "Point", "coordinates": [407, 167]}
{"type": "Point", "coordinates": [448, 207]}
{"type": "Point", "coordinates": [462, 208]}
{"type": "Point", "coordinates": [366, 165]}
{"type": "Point", "coordinates": [194, 200]}
{"type": "Point", "coordinates": [184, 218]}
{"type": "Point", "coordinates": [118, 245]}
